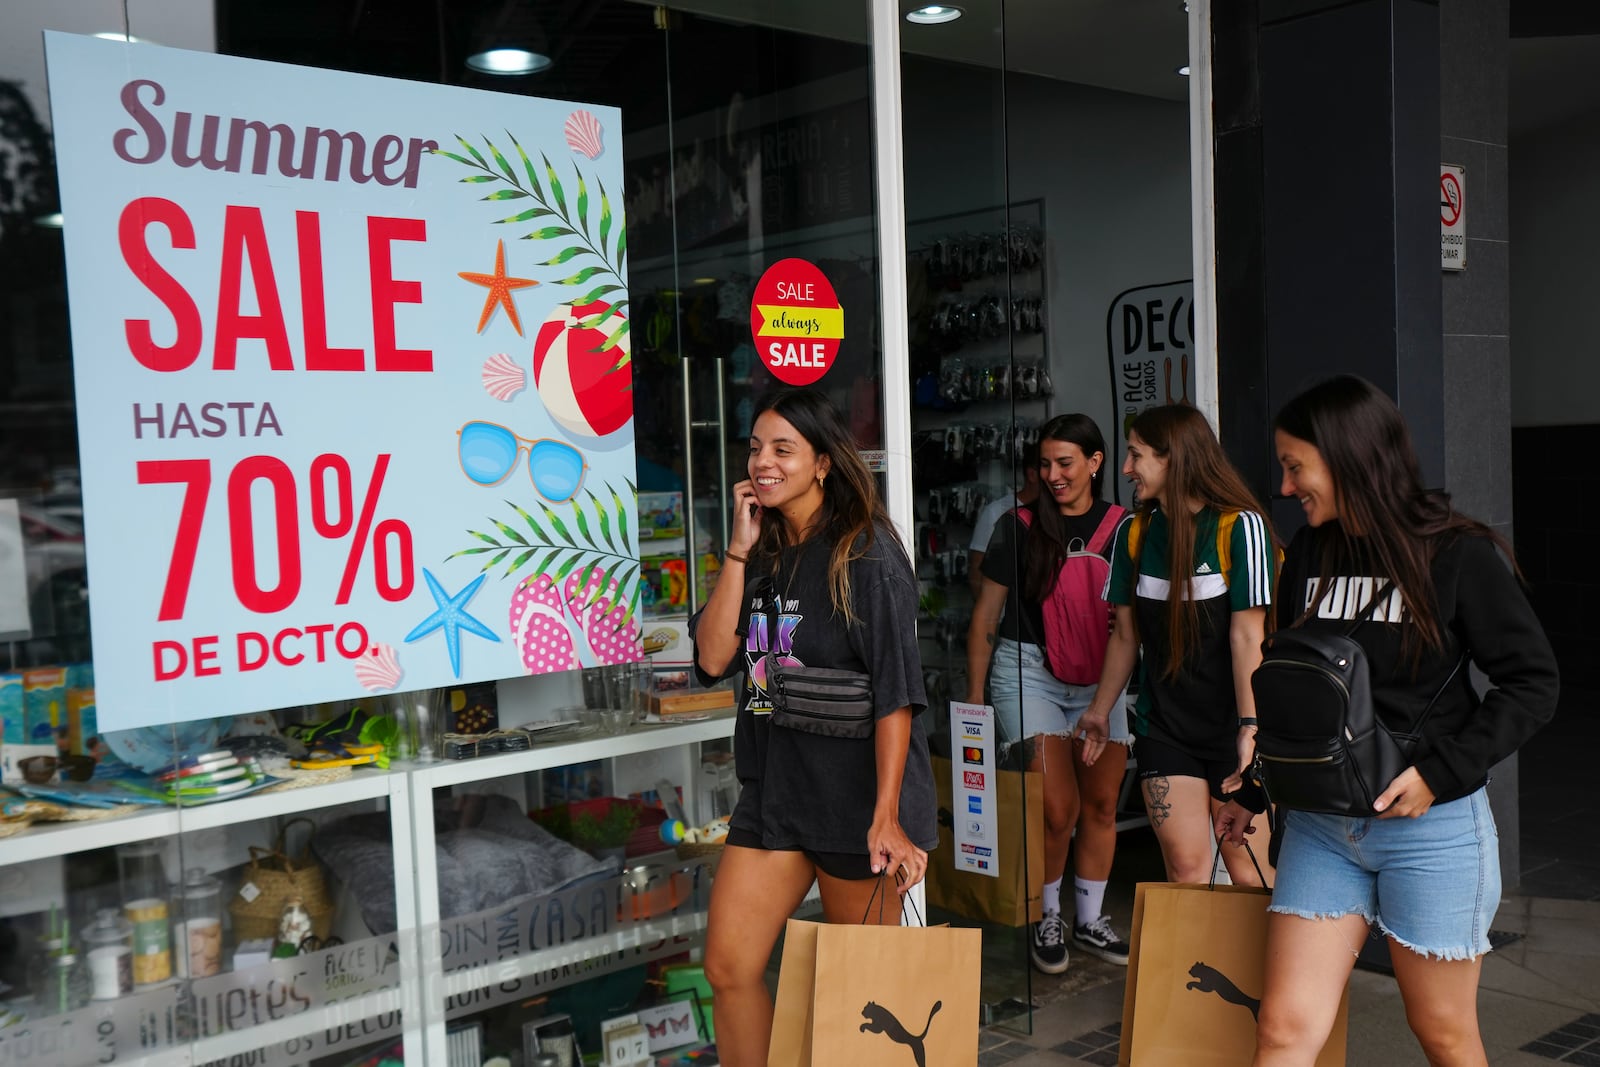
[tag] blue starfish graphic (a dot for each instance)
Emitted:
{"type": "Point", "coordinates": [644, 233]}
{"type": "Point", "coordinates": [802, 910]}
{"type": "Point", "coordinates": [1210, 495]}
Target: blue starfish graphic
{"type": "Point", "coordinates": [452, 616]}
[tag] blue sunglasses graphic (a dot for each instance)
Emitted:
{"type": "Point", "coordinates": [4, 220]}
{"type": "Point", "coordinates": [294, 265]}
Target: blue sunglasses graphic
{"type": "Point", "coordinates": [489, 452]}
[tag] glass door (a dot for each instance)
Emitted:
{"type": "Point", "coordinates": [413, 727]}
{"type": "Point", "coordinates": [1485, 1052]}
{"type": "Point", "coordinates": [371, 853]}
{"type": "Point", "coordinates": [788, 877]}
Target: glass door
{"type": "Point", "coordinates": [1049, 255]}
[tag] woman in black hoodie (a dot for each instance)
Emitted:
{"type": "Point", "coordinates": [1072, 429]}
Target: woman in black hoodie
{"type": "Point", "coordinates": [1426, 868]}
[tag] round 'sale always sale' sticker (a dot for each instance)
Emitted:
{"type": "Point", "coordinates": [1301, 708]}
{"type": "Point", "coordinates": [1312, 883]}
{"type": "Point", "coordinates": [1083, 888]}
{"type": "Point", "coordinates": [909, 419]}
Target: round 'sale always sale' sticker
{"type": "Point", "coordinates": [797, 322]}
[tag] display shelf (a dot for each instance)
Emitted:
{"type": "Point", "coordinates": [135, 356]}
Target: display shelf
{"type": "Point", "coordinates": [639, 738]}
{"type": "Point", "coordinates": [55, 839]}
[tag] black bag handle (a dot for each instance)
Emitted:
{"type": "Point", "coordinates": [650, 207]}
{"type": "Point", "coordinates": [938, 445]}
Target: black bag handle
{"type": "Point", "coordinates": [1217, 855]}
{"type": "Point", "coordinates": [881, 894]}
{"type": "Point", "coordinates": [1365, 614]}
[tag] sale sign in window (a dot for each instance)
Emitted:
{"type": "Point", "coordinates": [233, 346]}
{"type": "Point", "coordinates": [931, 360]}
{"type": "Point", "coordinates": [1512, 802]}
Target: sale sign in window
{"type": "Point", "coordinates": [354, 382]}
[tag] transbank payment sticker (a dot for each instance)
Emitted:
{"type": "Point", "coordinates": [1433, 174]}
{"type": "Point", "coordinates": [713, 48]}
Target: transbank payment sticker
{"type": "Point", "coordinates": [797, 321]}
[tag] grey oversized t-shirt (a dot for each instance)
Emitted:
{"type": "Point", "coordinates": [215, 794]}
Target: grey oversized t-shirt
{"type": "Point", "coordinates": [818, 793]}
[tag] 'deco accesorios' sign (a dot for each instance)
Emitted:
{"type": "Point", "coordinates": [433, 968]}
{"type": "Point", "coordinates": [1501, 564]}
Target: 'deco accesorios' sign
{"type": "Point", "coordinates": [797, 321]}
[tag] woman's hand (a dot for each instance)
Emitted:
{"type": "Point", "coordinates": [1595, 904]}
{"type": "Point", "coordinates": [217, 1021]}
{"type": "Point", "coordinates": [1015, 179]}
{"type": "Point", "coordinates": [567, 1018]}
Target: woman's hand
{"type": "Point", "coordinates": [1094, 729]}
{"type": "Point", "coordinates": [1407, 797]}
{"type": "Point", "coordinates": [746, 518]}
{"type": "Point", "coordinates": [1233, 821]}
{"type": "Point", "coordinates": [890, 850]}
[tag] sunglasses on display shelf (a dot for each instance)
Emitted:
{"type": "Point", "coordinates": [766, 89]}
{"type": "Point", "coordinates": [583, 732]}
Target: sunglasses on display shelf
{"type": "Point", "coordinates": [489, 453]}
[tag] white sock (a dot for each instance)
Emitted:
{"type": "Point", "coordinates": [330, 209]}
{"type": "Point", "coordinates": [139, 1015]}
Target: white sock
{"type": "Point", "coordinates": [1091, 897]}
{"type": "Point", "coordinates": [1052, 897]}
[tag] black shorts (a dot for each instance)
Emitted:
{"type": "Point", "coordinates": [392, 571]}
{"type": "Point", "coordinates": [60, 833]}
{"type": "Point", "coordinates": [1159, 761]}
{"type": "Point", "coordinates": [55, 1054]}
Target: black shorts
{"type": "Point", "coordinates": [1158, 759]}
{"type": "Point", "coordinates": [846, 866]}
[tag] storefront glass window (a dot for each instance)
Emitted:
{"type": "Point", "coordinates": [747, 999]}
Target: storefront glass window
{"type": "Point", "coordinates": [1048, 234]}
{"type": "Point", "coordinates": [356, 912]}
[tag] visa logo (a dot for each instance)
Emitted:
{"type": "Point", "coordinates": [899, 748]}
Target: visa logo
{"type": "Point", "coordinates": [971, 729]}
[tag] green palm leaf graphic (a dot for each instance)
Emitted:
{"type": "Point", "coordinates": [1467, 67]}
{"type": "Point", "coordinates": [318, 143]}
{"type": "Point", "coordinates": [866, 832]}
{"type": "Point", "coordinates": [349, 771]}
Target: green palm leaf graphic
{"type": "Point", "coordinates": [613, 554]}
{"type": "Point", "coordinates": [589, 237]}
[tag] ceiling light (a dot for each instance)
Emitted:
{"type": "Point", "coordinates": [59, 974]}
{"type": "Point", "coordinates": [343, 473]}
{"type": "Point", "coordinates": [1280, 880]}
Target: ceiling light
{"type": "Point", "coordinates": [508, 62]}
{"type": "Point", "coordinates": [52, 221]}
{"type": "Point", "coordinates": [1184, 70]}
{"type": "Point", "coordinates": [933, 14]}
{"type": "Point", "coordinates": [705, 281]}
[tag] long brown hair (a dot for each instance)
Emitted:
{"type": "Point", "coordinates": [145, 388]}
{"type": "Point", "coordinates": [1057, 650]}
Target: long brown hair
{"type": "Point", "coordinates": [1046, 551]}
{"type": "Point", "coordinates": [1377, 482]}
{"type": "Point", "coordinates": [852, 512]}
{"type": "Point", "coordinates": [1198, 472]}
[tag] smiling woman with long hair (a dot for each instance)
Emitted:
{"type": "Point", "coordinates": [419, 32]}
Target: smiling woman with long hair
{"type": "Point", "coordinates": [1191, 576]}
{"type": "Point", "coordinates": [1006, 644]}
{"type": "Point", "coordinates": [810, 532]}
{"type": "Point", "coordinates": [1426, 869]}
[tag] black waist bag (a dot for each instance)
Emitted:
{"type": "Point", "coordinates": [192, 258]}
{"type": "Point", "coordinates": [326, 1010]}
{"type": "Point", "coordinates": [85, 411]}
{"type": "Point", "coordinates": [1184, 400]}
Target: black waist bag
{"type": "Point", "coordinates": [820, 700]}
{"type": "Point", "coordinates": [817, 700]}
{"type": "Point", "coordinates": [1320, 745]}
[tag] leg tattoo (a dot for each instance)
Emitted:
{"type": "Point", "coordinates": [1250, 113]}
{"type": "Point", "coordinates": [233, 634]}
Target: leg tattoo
{"type": "Point", "coordinates": [1156, 791]}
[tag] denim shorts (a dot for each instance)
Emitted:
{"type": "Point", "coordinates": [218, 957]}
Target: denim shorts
{"type": "Point", "coordinates": [1028, 700]}
{"type": "Point", "coordinates": [1432, 883]}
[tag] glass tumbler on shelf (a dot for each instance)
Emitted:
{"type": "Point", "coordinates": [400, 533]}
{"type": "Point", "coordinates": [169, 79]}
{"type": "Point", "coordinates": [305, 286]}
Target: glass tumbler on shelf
{"type": "Point", "coordinates": [198, 934]}
{"type": "Point", "coordinates": [596, 690]}
{"type": "Point", "coordinates": [636, 688]}
{"type": "Point", "coordinates": [108, 942]}
{"type": "Point", "coordinates": [144, 901]}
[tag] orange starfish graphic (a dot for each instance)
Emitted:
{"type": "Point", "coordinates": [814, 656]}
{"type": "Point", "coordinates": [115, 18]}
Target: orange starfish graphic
{"type": "Point", "coordinates": [500, 288]}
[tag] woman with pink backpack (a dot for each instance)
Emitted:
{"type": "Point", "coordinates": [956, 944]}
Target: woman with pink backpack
{"type": "Point", "coordinates": [1038, 635]}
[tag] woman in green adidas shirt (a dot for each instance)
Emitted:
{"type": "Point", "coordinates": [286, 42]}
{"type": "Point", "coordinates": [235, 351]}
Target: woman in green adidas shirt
{"type": "Point", "coordinates": [1194, 726]}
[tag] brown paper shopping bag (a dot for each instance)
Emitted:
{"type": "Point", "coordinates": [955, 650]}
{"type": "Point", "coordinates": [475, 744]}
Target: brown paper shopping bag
{"type": "Point", "coordinates": [889, 996]}
{"type": "Point", "coordinates": [1195, 970]}
{"type": "Point", "coordinates": [1013, 898]}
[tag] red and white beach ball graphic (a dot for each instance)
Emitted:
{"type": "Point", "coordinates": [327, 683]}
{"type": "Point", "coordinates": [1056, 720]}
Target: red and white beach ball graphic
{"type": "Point", "coordinates": [582, 387]}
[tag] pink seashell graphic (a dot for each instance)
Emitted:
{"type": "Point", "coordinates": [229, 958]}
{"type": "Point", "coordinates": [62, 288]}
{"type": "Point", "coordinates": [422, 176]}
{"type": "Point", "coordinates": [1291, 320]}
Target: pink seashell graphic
{"type": "Point", "coordinates": [610, 642]}
{"type": "Point", "coordinates": [379, 669]}
{"type": "Point", "coordinates": [583, 134]}
{"type": "Point", "coordinates": [539, 628]}
{"type": "Point", "coordinates": [502, 378]}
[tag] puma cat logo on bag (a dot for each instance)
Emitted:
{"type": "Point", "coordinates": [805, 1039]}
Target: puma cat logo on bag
{"type": "Point", "coordinates": [1211, 980]}
{"type": "Point", "coordinates": [880, 1020]}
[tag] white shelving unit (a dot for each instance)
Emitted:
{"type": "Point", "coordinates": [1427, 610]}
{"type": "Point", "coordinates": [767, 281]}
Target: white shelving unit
{"type": "Point", "coordinates": [638, 741]}
{"type": "Point", "coordinates": [407, 790]}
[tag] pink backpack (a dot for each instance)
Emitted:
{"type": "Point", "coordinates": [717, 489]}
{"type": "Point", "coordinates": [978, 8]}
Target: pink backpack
{"type": "Point", "coordinates": [1077, 620]}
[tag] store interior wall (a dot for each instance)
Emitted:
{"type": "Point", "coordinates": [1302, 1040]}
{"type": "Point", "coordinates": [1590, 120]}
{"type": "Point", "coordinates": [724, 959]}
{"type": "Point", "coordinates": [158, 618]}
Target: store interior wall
{"type": "Point", "coordinates": [1112, 171]}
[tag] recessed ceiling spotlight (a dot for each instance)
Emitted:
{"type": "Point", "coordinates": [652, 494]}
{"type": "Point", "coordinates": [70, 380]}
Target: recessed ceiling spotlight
{"type": "Point", "coordinates": [1184, 70]}
{"type": "Point", "coordinates": [508, 62]}
{"type": "Point", "coordinates": [934, 14]}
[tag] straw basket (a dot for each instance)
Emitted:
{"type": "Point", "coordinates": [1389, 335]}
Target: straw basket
{"type": "Point", "coordinates": [697, 849]}
{"type": "Point", "coordinates": [276, 878]}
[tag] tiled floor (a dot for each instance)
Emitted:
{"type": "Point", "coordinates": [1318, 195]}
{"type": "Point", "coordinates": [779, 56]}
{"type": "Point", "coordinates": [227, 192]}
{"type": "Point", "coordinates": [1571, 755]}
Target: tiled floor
{"type": "Point", "coordinates": [1574, 1042]}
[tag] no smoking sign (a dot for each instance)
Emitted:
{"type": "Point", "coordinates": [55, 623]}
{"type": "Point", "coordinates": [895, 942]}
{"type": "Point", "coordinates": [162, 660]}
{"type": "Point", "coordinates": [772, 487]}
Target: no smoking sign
{"type": "Point", "coordinates": [1452, 218]}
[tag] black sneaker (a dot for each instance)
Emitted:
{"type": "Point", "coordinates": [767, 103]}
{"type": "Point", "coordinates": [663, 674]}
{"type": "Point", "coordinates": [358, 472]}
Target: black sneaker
{"type": "Point", "coordinates": [1100, 941]}
{"type": "Point", "coordinates": [1048, 944]}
